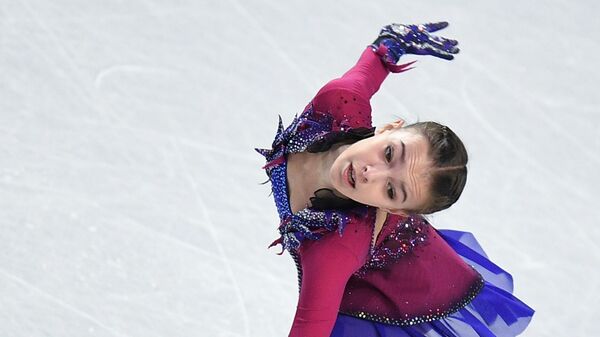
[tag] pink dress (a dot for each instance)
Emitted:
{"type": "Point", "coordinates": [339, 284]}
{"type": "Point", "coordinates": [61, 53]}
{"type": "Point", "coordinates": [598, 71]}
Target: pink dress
{"type": "Point", "coordinates": [415, 280]}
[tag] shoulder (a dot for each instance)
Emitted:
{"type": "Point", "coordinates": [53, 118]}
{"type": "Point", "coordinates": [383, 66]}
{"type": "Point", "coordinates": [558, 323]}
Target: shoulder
{"type": "Point", "coordinates": [348, 107]}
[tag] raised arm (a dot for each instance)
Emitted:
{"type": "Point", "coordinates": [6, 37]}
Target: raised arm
{"type": "Point", "coordinates": [347, 98]}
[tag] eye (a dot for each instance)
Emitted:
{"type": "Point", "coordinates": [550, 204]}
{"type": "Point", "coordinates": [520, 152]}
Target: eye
{"type": "Point", "coordinates": [388, 153]}
{"type": "Point", "coordinates": [391, 192]}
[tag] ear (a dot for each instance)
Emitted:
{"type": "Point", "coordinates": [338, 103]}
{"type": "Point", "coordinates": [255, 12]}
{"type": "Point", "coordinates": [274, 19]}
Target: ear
{"type": "Point", "coordinates": [390, 126]}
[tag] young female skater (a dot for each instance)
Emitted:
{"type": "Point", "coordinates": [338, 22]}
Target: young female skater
{"type": "Point", "coordinates": [368, 264]}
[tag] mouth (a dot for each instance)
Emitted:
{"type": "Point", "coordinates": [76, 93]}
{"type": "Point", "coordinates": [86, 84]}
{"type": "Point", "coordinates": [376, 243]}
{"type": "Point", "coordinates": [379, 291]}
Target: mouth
{"type": "Point", "coordinates": [349, 175]}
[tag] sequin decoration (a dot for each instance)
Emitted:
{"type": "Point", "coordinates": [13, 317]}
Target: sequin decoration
{"type": "Point", "coordinates": [407, 233]}
{"type": "Point", "coordinates": [434, 314]}
{"type": "Point", "coordinates": [305, 129]}
{"type": "Point", "coordinates": [298, 264]}
{"type": "Point", "coordinates": [279, 187]}
{"type": "Point", "coordinates": [309, 224]}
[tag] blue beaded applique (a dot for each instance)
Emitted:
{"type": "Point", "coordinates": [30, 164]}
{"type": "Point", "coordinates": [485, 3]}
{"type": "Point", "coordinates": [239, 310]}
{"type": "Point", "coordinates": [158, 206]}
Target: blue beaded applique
{"type": "Point", "coordinates": [304, 130]}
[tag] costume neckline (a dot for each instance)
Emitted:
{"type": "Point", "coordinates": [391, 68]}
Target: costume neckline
{"type": "Point", "coordinates": [287, 185]}
{"type": "Point", "coordinates": [288, 207]}
{"type": "Point", "coordinates": [383, 226]}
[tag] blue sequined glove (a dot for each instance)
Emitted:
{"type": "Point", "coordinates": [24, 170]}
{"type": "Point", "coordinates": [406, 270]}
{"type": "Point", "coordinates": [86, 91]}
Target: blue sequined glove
{"type": "Point", "coordinates": [400, 39]}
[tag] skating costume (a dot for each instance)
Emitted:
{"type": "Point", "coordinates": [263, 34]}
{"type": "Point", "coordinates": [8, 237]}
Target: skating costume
{"type": "Point", "coordinates": [415, 280]}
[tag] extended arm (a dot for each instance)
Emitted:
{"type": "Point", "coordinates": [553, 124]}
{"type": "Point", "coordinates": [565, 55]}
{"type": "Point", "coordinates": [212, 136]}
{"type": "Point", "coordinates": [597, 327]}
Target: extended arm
{"type": "Point", "coordinates": [324, 278]}
{"type": "Point", "coordinates": [327, 264]}
{"type": "Point", "coordinates": [347, 98]}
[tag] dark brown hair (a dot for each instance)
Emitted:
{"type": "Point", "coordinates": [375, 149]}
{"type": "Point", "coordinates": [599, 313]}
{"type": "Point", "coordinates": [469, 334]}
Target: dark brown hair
{"type": "Point", "coordinates": [449, 174]}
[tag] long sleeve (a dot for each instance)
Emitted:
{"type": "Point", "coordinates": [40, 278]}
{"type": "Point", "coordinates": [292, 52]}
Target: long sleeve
{"type": "Point", "coordinates": [327, 264]}
{"type": "Point", "coordinates": [347, 98]}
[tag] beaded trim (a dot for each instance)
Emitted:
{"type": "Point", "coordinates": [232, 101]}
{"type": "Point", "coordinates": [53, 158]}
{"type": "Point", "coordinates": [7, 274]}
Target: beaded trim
{"type": "Point", "coordinates": [298, 264]}
{"type": "Point", "coordinates": [311, 225]}
{"type": "Point", "coordinates": [403, 240]}
{"type": "Point", "coordinates": [436, 314]}
{"type": "Point", "coordinates": [305, 129]}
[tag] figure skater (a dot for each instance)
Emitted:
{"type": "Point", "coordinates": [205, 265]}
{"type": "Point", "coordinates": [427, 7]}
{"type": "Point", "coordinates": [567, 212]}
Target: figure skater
{"type": "Point", "coordinates": [351, 199]}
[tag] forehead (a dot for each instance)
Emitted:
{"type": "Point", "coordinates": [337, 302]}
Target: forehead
{"type": "Point", "coordinates": [419, 144]}
{"type": "Point", "coordinates": [419, 163]}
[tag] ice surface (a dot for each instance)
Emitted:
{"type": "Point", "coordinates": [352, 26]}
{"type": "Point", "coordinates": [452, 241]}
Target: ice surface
{"type": "Point", "coordinates": [130, 200]}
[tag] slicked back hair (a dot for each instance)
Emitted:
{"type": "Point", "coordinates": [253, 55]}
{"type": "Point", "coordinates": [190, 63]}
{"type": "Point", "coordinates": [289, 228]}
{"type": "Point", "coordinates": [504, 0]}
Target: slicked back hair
{"type": "Point", "coordinates": [449, 173]}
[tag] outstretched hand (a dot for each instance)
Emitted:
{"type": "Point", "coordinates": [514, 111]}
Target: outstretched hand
{"type": "Point", "coordinates": [416, 39]}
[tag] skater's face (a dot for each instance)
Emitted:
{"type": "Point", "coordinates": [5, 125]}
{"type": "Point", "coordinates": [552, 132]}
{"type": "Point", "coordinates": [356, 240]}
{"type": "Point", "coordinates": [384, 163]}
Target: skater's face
{"type": "Point", "coordinates": [390, 170]}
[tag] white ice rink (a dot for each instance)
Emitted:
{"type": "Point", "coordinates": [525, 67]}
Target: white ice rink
{"type": "Point", "coordinates": [130, 202]}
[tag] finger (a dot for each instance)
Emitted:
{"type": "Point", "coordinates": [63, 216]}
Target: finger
{"type": "Point", "coordinates": [439, 43]}
{"type": "Point", "coordinates": [435, 26]}
{"type": "Point", "coordinates": [427, 49]}
{"type": "Point", "coordinates": [445, 44]}
{"type": "Point", "coordinates": [435, 42]}
{"type": "Point", "coordinates": [451, 41]}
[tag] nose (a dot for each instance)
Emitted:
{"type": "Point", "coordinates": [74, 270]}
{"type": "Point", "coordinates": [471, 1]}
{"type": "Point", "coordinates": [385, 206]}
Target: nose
{"type": "Point", "coordinates": [370, 173]}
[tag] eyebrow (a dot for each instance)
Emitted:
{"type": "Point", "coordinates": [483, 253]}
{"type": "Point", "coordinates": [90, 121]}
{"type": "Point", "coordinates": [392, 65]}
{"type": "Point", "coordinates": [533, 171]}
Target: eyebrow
{"type": "Point", "coordinates": [403, 151]}
{"type": "Point", "coordinates": [402, 161]}
{"type": "Point", "coordinates": [403, 191]}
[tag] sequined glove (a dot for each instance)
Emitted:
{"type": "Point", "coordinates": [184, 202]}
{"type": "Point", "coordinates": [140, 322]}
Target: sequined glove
{"type": "Point", "coordinates": [396, 40]}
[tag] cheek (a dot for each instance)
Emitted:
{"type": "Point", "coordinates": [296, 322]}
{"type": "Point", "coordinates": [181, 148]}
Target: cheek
{"type": "Point", "coordinates": [358, 151]}
{"type": "Point", "coordinates": [373, 197]}
{"type": "Point", "coordinates": [335, 173]}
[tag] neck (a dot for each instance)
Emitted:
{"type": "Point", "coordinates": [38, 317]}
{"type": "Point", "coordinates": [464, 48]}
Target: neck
{"type": "Point", "coordinates": [320, 164]}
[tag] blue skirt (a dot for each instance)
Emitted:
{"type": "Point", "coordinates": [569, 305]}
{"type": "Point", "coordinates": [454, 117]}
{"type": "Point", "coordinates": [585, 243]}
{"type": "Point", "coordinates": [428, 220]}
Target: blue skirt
{"type": "Point", "coordinates": [495, 312]}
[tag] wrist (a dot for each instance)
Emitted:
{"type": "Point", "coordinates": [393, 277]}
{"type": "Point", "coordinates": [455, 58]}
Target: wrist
{"type": "Point", "coordinates": [395, 49]}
